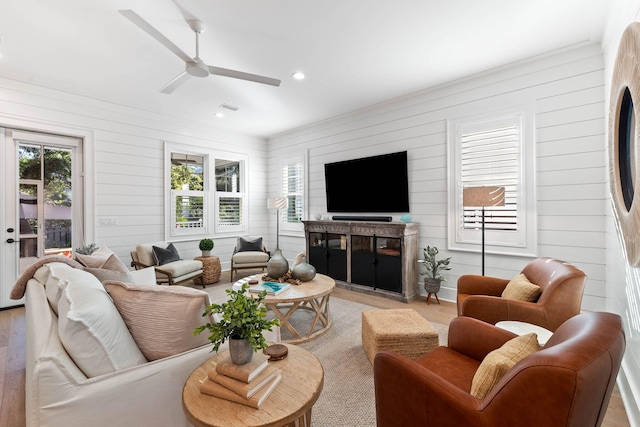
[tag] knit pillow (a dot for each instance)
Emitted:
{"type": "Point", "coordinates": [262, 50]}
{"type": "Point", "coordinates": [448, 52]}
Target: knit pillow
{"type": "Point", "coordinates": [521, 289]}
{"type": "Point", "coordinates": [496, 364]}
{"type": "Point", "coordinates": [161, 318]}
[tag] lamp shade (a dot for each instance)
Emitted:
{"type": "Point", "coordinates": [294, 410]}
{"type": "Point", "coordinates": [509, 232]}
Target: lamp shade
{"type": "Point", "coordinates": [483, 196]}
{"type": "Point", "coordinates": [277, 203]}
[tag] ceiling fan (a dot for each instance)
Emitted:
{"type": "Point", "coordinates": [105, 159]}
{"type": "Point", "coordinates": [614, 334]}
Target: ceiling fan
{"type": "Point", "coordinates": [193, 66]}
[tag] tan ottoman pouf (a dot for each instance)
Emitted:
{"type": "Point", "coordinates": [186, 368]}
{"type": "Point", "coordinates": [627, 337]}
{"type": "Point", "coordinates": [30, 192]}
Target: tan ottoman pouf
{"type": "Point", "coordinates": [403, 331]}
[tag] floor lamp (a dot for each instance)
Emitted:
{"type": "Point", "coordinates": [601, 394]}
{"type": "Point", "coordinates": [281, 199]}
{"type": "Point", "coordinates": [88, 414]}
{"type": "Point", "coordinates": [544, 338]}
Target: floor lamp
{"type": "Point", "coordinates": [482, 197]}
{"type": "Point", "coordinates": [277, 203]}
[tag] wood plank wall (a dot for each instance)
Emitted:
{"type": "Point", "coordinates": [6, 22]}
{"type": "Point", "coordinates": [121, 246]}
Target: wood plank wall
{"type": "Point", "coordinates": [566, 91]}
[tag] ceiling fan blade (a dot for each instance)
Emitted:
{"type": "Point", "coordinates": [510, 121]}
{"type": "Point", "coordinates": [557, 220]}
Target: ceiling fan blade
{"type": "Point", "coordinates": [243, 76]}
{"type": "Point", "coordinates": [175, 83]}
{"type": "Point", "coordinates": [147, 28]}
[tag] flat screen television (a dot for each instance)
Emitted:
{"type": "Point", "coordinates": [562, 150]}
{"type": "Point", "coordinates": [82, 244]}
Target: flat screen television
{"type": "Point", "coordinates": [377, 184]}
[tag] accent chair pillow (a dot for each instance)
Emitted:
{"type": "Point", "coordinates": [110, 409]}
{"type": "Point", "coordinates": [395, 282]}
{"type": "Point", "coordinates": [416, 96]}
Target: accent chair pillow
{"type": "Point", "coordinates": [496, 364]}
{"type": "Point", "coordinates": [161, 318]}
{"type": "Point", "coordinates": [248, 245]}
{"type": "Point", "coordinates": [165, 255]}
{"type": "Point", "coordinates": [91, 329]}
{"type": "Point", "coordinates": [521, 289]}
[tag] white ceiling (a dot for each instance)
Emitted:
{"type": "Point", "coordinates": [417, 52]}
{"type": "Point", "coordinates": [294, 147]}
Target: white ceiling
{"type": "Point", "coordinates": [355, 53]}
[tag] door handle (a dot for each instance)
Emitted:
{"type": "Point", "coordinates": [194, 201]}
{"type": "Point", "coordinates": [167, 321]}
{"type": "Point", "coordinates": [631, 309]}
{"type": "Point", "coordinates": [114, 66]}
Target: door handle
{"type": "Point", "coordinates": [12, 241]}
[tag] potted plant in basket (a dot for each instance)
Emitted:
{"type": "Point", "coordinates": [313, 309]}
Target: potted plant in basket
{"type": "Point", "coordinates": [242, 319]}
{"type": "Point", "coordinates": [205, 246]}
{"type": "Point", "coordinates": [432, 269]}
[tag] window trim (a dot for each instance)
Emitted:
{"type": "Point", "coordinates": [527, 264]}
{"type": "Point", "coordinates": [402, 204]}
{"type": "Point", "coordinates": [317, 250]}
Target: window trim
{"type": "Point", "coordinates": [524, 242]}
{"type": "Point", "coordinates": [287, 227]}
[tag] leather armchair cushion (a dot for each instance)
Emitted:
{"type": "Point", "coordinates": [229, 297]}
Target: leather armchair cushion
{"type": "Point", "coordinates": [521, 289]}
{"type": "Point", "coordinates": [498, 362]}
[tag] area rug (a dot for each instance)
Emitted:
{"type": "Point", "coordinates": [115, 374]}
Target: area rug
{"type": "Point", "coordinates": [347, 398]}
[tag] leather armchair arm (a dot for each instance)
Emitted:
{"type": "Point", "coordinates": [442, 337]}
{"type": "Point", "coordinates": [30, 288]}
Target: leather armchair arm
{"type": "Point", "coordinates": [409, 394]}
{"type": "Point", "coordinates": [494, 309]}
{"type": "Point", "coordinates": [481, 285]}
{"type": "Point", "coordinates": [475, 338]}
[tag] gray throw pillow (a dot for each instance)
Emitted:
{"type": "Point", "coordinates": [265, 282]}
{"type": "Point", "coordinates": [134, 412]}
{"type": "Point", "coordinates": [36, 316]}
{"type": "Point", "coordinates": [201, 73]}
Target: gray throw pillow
{"type": "Point", "coordinates": [246, 245]}
{"type": "Point", "coordinates": [165, 256]}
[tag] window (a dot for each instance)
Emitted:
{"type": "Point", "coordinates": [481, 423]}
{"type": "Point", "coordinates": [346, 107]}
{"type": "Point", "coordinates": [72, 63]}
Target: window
{"type": "Point", "coordinates": [493, 151]}
{"type": "Point", "coordinates": [293, 188]}
{"type": "Point", "coordinates": [197, 181]}
{"type": "Point", "coordinates": [188, 196]}
{"type": "Point", "coordinates": [229, 198]}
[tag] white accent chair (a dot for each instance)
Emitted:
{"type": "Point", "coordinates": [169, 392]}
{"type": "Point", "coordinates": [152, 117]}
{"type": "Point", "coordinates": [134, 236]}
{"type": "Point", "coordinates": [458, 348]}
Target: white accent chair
{"type": "Point", "coordinates": [249, 253]}
{"type": "Point", "coordinates": [171, 273]}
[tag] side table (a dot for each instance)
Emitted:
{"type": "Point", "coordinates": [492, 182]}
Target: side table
{"type": "Point", "coordinates": [210, 270]}
{"type": "Point", "coordinates": [289, 404]}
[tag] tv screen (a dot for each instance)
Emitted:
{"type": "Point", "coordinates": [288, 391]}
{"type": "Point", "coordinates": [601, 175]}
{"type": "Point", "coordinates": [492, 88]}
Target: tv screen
{"type": "Point", "coordinates": [372, 184]}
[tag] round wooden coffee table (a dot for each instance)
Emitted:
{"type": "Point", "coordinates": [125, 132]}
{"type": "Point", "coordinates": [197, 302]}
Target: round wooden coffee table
{"type": "Point", "coordinates": [312, 296]}
{"type": "Point", "coordinates": [290, 402]}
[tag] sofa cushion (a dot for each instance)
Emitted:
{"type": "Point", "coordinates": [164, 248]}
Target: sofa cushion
{"type": "Point", "coordinates": [250, 257]}
{"type": "Point", "coordinates": [521, 289]}
{"type": "Point", "coordinates": [166, 255]}
{"type": "Point", "coordinates": [496, 364]}
{"type": "Point", "coordinates": [103, 274]}
{"type": "Point", "coordinates": [91, 329]}
{"type": "Point", "coordinates": [95, 259]}
{"type": "Point", "coordinates": [182, 267]}
{"type": "Point", "coordinates": [247, 244]}
{"type": "Point", "coordinates": [161, 318]}
{"type": "Point", "coordinates": [42, 274]}
{"type": "Point", "coordinates": [57, 273]}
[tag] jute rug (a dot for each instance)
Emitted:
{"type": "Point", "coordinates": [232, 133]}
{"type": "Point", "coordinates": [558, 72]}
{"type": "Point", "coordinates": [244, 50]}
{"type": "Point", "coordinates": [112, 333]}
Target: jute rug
{"type": "Point", "coordinates": [347, 398]}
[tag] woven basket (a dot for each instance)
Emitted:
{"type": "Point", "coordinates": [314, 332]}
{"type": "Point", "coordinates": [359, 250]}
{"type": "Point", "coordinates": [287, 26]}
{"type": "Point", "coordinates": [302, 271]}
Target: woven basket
{"type": "Point", "coordinates": [432, 286]}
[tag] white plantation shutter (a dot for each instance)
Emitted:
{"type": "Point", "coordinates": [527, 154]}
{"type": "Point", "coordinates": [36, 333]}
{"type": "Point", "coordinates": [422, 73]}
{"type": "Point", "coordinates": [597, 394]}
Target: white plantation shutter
{"type": "Point", "coordinates": [493, 150]}
{"type": "Point", "coordinates": [490, 154]}
{"type": "Point", "coordinates": [229, 211]}
{"type": "Point", "coordinates": [229, 195]}
{"type": "Point", "coordinates": [292, 189]}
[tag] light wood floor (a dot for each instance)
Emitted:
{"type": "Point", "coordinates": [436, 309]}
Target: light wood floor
{"type": "Point", "coordinates": [12, 354]}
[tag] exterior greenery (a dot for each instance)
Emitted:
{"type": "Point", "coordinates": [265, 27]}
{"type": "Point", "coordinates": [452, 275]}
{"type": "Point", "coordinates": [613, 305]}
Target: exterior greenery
{"type": "Point", "coordinates": [206, 244]}
{"type": "Point", "coordinates": [87, 249]}
{"type": "Point", "coordinates": [432, 268]}
{"type": "Point", "coordinates": [242, 317]}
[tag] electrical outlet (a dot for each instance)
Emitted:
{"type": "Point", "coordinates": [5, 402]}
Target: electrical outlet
{"type": "Point", "coordinates": [108, 220]}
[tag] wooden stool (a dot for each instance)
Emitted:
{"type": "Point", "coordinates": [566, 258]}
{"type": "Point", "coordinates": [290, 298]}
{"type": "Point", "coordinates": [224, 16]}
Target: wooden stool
{"type": "Point", "coordinates": [403, 331]}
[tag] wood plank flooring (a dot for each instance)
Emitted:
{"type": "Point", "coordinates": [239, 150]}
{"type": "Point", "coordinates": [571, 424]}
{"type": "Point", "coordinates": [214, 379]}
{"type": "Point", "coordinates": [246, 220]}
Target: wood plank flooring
{"type": "Point", "coordinates": [12, 354]}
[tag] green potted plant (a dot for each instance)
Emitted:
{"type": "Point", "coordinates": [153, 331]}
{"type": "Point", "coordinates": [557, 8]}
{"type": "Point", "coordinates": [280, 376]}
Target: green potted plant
{"type": "Point", "coordinates": [432, 269]}
{"type": "Point", "coordinates": [205, 246]}
{"type": "Point", "coordinates": [242, 319]}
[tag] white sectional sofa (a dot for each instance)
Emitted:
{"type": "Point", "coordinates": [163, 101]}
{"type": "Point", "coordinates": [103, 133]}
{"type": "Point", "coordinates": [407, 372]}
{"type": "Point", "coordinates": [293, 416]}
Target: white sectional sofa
{"type": "Point", "coordinates": [85, 368]}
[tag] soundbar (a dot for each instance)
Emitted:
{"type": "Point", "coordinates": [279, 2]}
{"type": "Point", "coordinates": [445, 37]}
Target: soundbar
{"type": "Point", "coordinates": [361, 218]}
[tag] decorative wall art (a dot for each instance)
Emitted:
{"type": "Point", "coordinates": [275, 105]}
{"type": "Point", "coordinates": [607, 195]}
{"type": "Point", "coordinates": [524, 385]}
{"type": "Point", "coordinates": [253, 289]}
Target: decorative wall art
{"type": "Point", "coordinates": [624, 146]}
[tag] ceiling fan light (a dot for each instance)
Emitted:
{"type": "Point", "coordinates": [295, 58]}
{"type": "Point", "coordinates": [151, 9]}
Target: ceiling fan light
{"type": "Point", "coordinates": [198, 69]}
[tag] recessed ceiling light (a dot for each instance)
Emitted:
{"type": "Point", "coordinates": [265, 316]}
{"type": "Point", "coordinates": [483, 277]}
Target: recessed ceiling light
{"type": "Point", "coordinates": [219, 115]}
{"type": "Point", "coordinates": [298, 75]}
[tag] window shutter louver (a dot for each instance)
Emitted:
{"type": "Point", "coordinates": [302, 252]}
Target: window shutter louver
{"type": "Point", "coordinates": [489, 157]}
{"type": "Point", "coordinates": [292, 187]}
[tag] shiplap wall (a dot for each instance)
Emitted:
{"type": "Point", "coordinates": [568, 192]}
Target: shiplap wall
{"type": "Point", "coordinates": [129, 162]}
{"type": "Point", "coordinates": [566, 91]}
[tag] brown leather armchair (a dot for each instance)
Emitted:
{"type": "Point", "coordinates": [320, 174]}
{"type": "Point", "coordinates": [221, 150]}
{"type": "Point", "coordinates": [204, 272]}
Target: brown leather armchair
{"type": "Point", "coordinates": [562, 288]}
{"type": "Point", "coordinates": [567, 383]}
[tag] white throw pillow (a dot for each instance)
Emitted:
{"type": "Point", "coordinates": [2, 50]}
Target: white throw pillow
{"type": "Point", "coordinates": [91, 329]}
{"type": "Point", "coordinates": [145, 276]}
{"type": "Point", "coordinates": [145, 252]}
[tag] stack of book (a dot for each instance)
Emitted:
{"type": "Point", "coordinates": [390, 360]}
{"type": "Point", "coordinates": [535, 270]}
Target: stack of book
{"type": "Point", "coordinates": [272, 288]}
{"type": "Point", "coordinates": [249, 384]}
